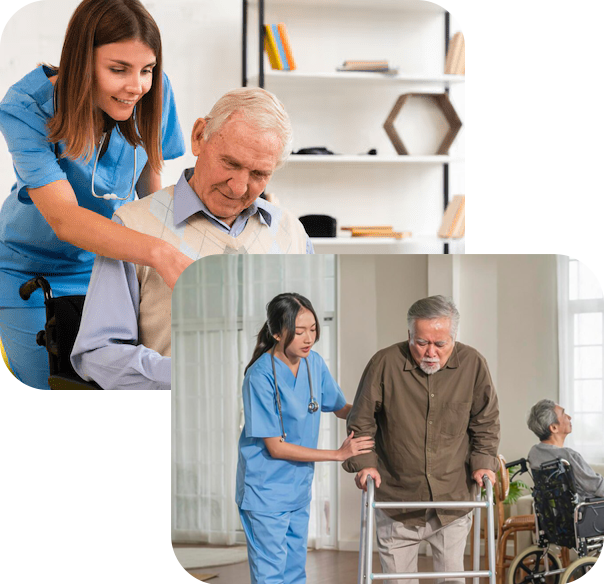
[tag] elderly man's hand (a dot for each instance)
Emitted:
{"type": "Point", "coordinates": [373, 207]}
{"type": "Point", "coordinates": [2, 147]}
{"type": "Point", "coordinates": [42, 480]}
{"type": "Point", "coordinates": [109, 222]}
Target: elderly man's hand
{"type": "Point", "coordinates": [478, 476]}
{"type": "Point", "coordinates": [361, 478]}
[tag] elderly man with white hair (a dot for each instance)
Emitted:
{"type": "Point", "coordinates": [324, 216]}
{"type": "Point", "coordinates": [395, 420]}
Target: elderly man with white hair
{"type": "Point", "coordinates": [430, 404]}
{"type": "Point", "coordinates": [215, 208]}
{"type": "Point", "coordinates": [549, 422]}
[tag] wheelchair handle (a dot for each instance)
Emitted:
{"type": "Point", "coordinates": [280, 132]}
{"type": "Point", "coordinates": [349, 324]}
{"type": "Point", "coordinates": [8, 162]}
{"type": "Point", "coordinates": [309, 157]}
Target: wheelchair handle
{"type": "Point", "coordinates": [522, 462]}
{"type": "Point", "coordinates": [27, 289]}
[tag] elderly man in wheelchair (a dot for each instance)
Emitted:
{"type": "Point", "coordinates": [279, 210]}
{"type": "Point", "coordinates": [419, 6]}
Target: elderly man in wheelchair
{"type": "Point", "coordinates": [568, 503]}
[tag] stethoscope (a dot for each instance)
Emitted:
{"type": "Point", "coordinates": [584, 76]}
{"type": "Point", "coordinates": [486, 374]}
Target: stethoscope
{"type": "Point", "coordinates": [313, 405]}
{"type": "Point", "coordinates": [108, 196]}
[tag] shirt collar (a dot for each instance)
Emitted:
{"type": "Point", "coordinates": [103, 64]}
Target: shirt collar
{"type": "Point", "coordinates": [452, 362]}
{"type": "Point", "coordinates": [187, 203]}
{"type": "Point", "coordinates": [43, 90]}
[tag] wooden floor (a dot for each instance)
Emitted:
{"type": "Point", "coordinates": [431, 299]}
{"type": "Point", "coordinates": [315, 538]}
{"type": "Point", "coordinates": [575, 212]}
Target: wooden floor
{"type": "Point", "coordinates": [323, 567]}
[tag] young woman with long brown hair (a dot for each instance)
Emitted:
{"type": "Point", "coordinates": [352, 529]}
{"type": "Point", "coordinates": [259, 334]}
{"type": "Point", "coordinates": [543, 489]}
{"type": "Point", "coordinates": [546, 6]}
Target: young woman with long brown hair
{"type": "Point", "coordinates": [81, 137]}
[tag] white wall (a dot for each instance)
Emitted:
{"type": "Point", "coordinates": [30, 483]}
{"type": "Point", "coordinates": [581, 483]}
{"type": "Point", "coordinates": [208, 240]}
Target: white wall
{"type": "Point", "coordinates": [508, 310]}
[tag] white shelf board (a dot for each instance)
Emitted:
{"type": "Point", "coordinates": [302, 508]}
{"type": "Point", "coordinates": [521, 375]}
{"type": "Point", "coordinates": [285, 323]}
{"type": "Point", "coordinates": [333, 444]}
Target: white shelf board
{"type": "Point", "coordinates": [379, 245]}
{"type": "Point", "coordinates": [345, 241]}
{"type": "Point", "coordinates": [363, 76]}
{"type": "Point", "coordinates": [415, 5]}
{"type": "Point", "coordinates": [302, 159]}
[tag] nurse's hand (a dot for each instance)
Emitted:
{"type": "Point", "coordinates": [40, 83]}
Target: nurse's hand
{"type": "Point", "coordinates": [171, 263]}
{"type": "Point", "coordinates": [361, 478]}
{"type": "Point", "coordinates": [354, 446]}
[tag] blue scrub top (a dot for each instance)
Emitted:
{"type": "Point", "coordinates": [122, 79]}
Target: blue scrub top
{"type": "Point", "coordinates": [28, 246]}
{"type": "Point", "coordinates": [269, 485]}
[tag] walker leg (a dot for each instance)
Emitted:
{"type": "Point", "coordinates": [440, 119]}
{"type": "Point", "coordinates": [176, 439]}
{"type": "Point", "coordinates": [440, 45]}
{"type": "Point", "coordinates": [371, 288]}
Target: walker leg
{"type": "Point", "coordinates": [477, 539]}
{"type": "Point", "coordinates": [369, 531]}
{"type": "Point", "coordinates": [362, 539]}
{"type": "Point", "coordinates": [491, 550]}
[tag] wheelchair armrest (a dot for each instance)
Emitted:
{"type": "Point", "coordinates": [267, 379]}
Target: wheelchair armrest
{"type": "Point", "coordinates": [65, 382]}
{"type": "Point", "coordinates": [594, 500]}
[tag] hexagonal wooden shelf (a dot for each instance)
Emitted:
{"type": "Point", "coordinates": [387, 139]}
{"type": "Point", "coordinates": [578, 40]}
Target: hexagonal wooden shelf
{"type": "Point", "coordinates": [443, 103]}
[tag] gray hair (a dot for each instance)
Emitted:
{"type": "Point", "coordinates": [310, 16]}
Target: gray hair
{"type": "Point", "coordinates": [261, 108]}
{"type": "Point", "coordinates": [434, 307]}
{"type": "Point", "coordinates": [540, 418]}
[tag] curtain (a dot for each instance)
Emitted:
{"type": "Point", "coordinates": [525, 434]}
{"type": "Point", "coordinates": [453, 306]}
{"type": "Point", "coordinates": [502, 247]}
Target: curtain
{"type": "Point", "coordinates": [205, 419]}
{"type": "Point", "coordinates": [580, 308]}
{"type": "Point", "coordinates": [218, 308]}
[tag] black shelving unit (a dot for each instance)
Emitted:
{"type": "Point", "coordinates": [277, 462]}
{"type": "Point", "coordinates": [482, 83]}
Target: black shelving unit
{"type": "Point", "coordinates": [261, 75]}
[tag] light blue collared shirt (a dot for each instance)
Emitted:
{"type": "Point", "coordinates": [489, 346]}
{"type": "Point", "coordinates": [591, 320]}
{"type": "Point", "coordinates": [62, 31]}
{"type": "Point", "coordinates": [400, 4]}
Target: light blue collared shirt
{"type": "Point", "coordinates": [106, 348]}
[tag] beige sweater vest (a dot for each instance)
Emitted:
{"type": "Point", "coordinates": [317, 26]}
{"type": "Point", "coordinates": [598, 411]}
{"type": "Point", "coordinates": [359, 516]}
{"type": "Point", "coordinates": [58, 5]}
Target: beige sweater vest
{"type": "Point", "coordinates": [196, 237]}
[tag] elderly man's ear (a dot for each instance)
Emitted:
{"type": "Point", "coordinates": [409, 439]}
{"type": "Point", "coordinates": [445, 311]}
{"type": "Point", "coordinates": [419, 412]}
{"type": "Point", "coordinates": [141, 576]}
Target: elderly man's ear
{"type": "Point", "coordinates": [196, 135]}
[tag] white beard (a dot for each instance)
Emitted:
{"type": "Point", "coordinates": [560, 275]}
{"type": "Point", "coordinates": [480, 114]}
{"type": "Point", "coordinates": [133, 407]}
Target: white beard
{"type": "Point", "coordinates": [430, 367]}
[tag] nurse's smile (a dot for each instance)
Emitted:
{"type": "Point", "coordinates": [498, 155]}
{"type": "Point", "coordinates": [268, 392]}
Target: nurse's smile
{"type": "Point", "coordinates": [123, 75]}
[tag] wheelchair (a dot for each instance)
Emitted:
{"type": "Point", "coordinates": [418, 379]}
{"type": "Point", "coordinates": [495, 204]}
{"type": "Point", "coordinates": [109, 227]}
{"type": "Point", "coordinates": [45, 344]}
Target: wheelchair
{"type": "Point", "coordinates": [562, 520]}
{"type": "Point", "coordinates": [63, 315]}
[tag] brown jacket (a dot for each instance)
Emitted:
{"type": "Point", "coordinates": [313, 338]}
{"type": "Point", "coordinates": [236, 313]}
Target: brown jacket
{"type": "Point", "coordinates": [431, 431]}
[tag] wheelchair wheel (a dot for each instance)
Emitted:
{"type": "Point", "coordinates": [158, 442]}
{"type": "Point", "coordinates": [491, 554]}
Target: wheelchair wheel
{"type": "Point", "coordinates": [529, 567]}
{"type": "Point", "coordinates": [577, 569]}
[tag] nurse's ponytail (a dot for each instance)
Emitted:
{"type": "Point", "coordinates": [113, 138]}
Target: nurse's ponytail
{"type": "Point", "coordinates": [281, 320]}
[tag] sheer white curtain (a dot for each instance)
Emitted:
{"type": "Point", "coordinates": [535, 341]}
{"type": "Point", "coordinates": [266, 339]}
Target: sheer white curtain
{"type": "Point", "coordinates": [219, 305]}
{"type": "Point", "coordinates": [205, 380]}
{"type": "Point", "coordinates": [581, 356]}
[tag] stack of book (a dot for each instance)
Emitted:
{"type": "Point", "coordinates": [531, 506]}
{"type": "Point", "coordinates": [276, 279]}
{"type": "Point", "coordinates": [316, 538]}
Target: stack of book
{"type": "Point", "coordinates": [277, 46]}
{"type": "Point", "coordinates": [372, 66]}
{"type": "Point", "coordinates": [452, 225]}
{"type": "Point", "coordinates": [376, 231]}
{"type": "Point", "coordinates": [454, 61]}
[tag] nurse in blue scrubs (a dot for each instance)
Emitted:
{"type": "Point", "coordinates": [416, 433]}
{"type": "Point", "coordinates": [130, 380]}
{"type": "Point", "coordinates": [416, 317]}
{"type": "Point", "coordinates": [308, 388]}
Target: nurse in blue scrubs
{"type": "Point", "coordinates": [286, 387]}
{"type": "Point", "coordinates": [85, 138]}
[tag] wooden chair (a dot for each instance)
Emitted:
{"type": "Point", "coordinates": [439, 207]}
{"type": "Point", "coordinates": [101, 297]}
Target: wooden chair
{"type": "Point", "coordinates": [507, 528]}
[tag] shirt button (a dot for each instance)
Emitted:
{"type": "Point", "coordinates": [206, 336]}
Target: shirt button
{"type": "Point", "coordinates": [430, 421]}
{"type": "Point", "coordinates": [432, 395]}
{"type": "Point", "coordinates": [428, 475]}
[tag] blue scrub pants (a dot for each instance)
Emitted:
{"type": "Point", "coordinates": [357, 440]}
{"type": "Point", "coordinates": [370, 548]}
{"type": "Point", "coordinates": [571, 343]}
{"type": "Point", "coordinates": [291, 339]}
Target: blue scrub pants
{"type": "Point", "coordinates": [277, 545]}
{"type": "Point", "coordinates": [18, 330]}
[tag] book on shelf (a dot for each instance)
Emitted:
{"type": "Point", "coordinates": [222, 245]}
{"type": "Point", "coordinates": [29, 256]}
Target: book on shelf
{"type": "Point", "coordinates": [285, 39]}
{"type": "Point", "coordinates": [459, 230]}
{"type": "Point", "coordinates": [461, 62]}
{"type": "Point", "coordinates": [376, 231]}
{"type": "Point", "coordinates": [271, 48]}
{"type": "Point", "coordinates": [371, 66]}
{"type": "Point", "coordinates": [278, 48]}
{"type": "Point", "coordinates": [452, 225]}
{"type": "Point", "coordinates": [454, 60]}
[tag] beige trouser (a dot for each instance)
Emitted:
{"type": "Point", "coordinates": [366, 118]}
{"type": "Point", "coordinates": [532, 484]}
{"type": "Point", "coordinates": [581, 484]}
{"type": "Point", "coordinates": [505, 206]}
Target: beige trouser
{"type": "Point", "coordinates": [398, 545]}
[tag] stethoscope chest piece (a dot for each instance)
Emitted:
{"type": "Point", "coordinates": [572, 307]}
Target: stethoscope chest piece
{"type": "Point", "coordinates": [311, 408]}
{"type": "Point", "coordinates": [112, 196]}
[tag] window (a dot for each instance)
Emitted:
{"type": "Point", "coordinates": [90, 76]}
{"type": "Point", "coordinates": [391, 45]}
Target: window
{"type": "Point", "coordinates": [581, 356]}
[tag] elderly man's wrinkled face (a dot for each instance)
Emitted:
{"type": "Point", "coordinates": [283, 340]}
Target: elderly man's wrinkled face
{"type": "Point", "coordinates": [233, 166]}
{"type": "Point", "coordinates": [431, 343]}
{"type": "Point", "coordinates": [563, 421]}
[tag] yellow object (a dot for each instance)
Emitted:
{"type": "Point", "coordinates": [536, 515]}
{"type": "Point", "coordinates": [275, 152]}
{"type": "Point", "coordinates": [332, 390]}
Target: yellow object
{"type": "Point", "coordinates": [8, 381]}
{"type": "Point", "coordinates": [271, 48]}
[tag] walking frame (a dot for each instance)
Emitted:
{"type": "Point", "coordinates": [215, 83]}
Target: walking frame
{"type": "Point", "coordinates": [368, 504]}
